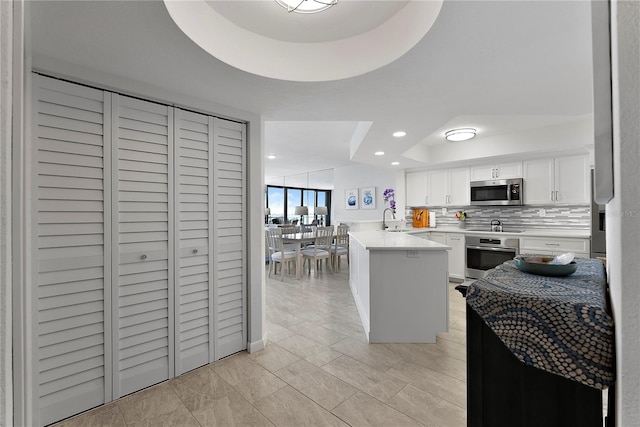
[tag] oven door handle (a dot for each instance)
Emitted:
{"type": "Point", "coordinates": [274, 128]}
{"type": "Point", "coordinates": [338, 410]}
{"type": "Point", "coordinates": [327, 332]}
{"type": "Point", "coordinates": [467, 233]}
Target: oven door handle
{"type": "Point", "coordinates": [487, 248]}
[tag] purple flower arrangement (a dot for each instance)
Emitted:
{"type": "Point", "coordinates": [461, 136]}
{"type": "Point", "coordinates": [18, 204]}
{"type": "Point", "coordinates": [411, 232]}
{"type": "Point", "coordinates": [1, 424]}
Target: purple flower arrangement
{"type": "Point", "coordinates": [390, 196]}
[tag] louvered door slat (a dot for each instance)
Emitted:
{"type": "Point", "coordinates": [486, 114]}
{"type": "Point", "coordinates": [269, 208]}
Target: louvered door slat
{"type": "Point", "coordinates": [142, 258]}
{"type": "Point", "coordinates": [194, 342]}
{"type": "Point", "coordinates": [230, 237]}
{"type": "Point", "coordinates": [72, 241]}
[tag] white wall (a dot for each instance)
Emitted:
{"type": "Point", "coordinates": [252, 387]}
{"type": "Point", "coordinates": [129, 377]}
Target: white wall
{"type": "Point", "coordinates": [360, 176]}
{"type": "Point", "coordinates": [623, 212]}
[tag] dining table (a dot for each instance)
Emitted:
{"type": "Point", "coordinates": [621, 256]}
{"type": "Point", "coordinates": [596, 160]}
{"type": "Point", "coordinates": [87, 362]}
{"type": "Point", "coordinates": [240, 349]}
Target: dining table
{"type": "Point", "coordinates": [299, 239]}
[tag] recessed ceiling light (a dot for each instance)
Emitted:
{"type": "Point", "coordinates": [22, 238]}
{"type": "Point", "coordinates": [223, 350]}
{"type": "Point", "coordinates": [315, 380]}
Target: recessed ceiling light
{"type": "Point", "coordinates": [379, 153]}
{"type": "Point", "coordinates": [399, 134]}
{"type": "Point", "coordinates": [395, 163]}
{"type": "Point", "coordinates": [461, 134]}
{"type": "Point", "coordinates": [271, 157]}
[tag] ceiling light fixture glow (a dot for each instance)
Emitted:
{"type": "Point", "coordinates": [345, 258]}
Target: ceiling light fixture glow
{"type": "Point", "coordinates": [271, 157]}
{"type": "Point", "coordinates": [461, 134]}
{"type": "Point", "coordinates": [395, 163]}
{"type": "Point", "coordinates": [379, 153]}
{"type": "Point", "coordinates": [399, 134]}
{"type": "Point", "coordinates": [306, 6]}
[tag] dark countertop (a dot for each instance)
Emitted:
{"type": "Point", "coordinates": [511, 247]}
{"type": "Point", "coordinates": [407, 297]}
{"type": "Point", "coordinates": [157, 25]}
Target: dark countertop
{"type": "Point", "coordinates": [561, 325]}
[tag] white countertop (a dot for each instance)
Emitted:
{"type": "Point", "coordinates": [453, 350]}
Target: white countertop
{"type": "Point", "coordinates": [383, 240]}
{"type": "Point", "coordinates": [577, 234]}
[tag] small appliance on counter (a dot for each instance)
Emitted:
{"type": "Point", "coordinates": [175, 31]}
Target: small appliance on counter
{"type": "Point", "coordinates": [420, 218]}
{"type": "Point", "coordinates": [432, 219]}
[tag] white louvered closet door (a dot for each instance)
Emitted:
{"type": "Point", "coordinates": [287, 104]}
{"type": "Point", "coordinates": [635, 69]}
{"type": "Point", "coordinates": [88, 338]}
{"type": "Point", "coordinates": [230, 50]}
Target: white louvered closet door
{"type": "Point", "coordinates": [194, 231]}
{"type": "Point", "coordinates": [143, 244]}
{"type": "Point", "coordinates": [72, 294]}
{"type": "Point", "coordinates": [229, 237]}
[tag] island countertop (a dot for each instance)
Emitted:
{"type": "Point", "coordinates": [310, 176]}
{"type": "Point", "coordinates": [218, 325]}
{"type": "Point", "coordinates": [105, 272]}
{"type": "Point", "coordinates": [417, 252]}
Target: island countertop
{"type": "Point", "coordinates": [383, 240]}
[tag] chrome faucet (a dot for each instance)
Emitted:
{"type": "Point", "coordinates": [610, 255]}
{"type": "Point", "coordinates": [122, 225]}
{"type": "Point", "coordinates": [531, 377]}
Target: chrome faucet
{"type": "Point", "coordinates": [393, 213]}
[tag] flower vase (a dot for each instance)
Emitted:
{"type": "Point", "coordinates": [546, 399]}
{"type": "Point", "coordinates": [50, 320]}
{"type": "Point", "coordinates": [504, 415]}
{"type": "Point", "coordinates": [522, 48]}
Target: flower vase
{"type": "Point", "coordinates": [462, 224]}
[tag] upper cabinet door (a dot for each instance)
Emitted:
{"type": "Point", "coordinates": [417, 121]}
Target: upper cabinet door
{"type": "Point", "coordinates": [538, 177]}
{"type": "Point", "coordinates": [496, 171]}
{"type": "Point", "coordinates": [562, 181]}
{"type": "Point", "coordinates": [438, 194]}
{"type": "Point", "coordinates": [482, 172]}
{"type": "Point", "coordinates": [573, 184]}
{"type": "Point", "coordinates": [459, 187]}
{"type": "Point", "coordinates": [416, 188]}
{"type": "Point", "coordinates": [509, 170]}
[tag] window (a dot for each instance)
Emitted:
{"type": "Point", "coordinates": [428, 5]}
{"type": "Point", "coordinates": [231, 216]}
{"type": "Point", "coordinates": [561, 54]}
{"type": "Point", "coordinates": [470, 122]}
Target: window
{"type": "Point", "coordinates": [283, 201]}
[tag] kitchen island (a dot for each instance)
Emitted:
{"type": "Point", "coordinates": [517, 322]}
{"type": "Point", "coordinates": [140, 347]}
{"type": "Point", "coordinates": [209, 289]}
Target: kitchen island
{"type": "Point", "coordinates": [400, 285]}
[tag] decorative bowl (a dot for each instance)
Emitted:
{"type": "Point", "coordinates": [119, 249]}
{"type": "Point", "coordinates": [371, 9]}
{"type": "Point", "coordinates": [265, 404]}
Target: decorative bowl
{"type": "Point", "coordinates": [539, 264]}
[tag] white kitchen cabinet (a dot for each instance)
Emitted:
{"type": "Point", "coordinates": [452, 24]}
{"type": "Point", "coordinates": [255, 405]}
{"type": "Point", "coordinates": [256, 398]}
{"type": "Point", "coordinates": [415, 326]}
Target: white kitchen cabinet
{"type": "Point", "coordinates": [456, 255]}
{"type": "Point", "coordinates": [496, 171]}
{"type": "Point", "coordinates": [417, 188]}
{"type": "Point", "coordinates": [400, 291]}
{"type": "Point", "coordinates": [422, 235]}
{"type": "Point", "coordinates": [448, 187]}
{"type": "Point", "coordinates": [560, 180]}
{"type": "Point", "coordinates": [554, 246]}
{"type": "Point", "coordinates": [438, 237]}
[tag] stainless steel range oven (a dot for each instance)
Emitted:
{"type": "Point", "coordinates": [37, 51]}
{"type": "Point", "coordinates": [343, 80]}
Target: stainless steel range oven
{"type": "Point", "coordinates": [487, 252]}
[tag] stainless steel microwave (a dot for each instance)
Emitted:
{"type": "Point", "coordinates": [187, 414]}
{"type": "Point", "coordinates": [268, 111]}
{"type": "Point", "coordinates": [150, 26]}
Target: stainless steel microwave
{"type": "Point", "coordinates": [497, 192]}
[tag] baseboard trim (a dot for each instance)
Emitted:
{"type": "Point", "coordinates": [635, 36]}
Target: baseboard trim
{"type": "Point", "coordinates": [254, 346]}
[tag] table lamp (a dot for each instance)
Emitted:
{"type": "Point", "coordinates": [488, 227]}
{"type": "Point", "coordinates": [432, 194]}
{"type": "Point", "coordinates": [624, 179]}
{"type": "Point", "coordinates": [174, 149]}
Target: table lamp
{"type": "Point", "coordinates": [302, 211]}
{"type": "Point", "coordinates": [322, 211]}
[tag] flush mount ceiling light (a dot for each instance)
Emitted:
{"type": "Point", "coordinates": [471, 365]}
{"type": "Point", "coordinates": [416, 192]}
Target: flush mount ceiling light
{"type": "Point", "coordinates": [399, 134]}
{"type": "Point", "coordinates": [306, 6]}
{"type": "Point", "coordinates": [379, 153]}
{"type": "Point", "coordinates": [395, 163]}
{"type": "Point", "coordinates": [271, 157]}
{"type": "Point", "coordinates": [461, 134]}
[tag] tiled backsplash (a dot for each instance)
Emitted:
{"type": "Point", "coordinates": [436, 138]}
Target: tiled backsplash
{"type": "Point", "coordinates": [561, 217]}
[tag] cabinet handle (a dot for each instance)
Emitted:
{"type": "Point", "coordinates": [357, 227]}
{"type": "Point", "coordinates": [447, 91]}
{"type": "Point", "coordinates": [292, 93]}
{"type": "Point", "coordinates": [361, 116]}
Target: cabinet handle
{"type": "Point", "coordinates": [552, 244]}
{"type": "Point", "coordinates": [495, 173]}
{"type": "Point", "coordinates": [143, 257]}
{"type": "Point", "coordinates": [426, 199]}
{"type": "Point", "coordinates": [195, 251]}
{"type": "Point", "coordinates": [552, 199]}
{"type": "Point", "coordinates": [557, 198]}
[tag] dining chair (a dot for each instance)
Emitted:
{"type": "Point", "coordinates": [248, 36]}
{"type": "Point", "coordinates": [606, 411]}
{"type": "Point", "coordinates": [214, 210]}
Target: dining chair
{"type": "Point", "coordinates": [278, 253]}
{"type": "Point", "coordinates": [289, 229]}
{"type": "Point", "coordinates": [340, 246]}
{"type": "Point", "coordinates": [320, 250]}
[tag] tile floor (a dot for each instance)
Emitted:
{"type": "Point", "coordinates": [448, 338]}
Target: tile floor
{"type": "Point", "coordinates": [317, 369]}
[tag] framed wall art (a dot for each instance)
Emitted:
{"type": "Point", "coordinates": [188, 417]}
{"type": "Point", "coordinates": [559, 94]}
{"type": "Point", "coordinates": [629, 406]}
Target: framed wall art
{"type": "Point", "coordinates": [368, 198]}
{"type": "Point", "coordinates": [351, 198]}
